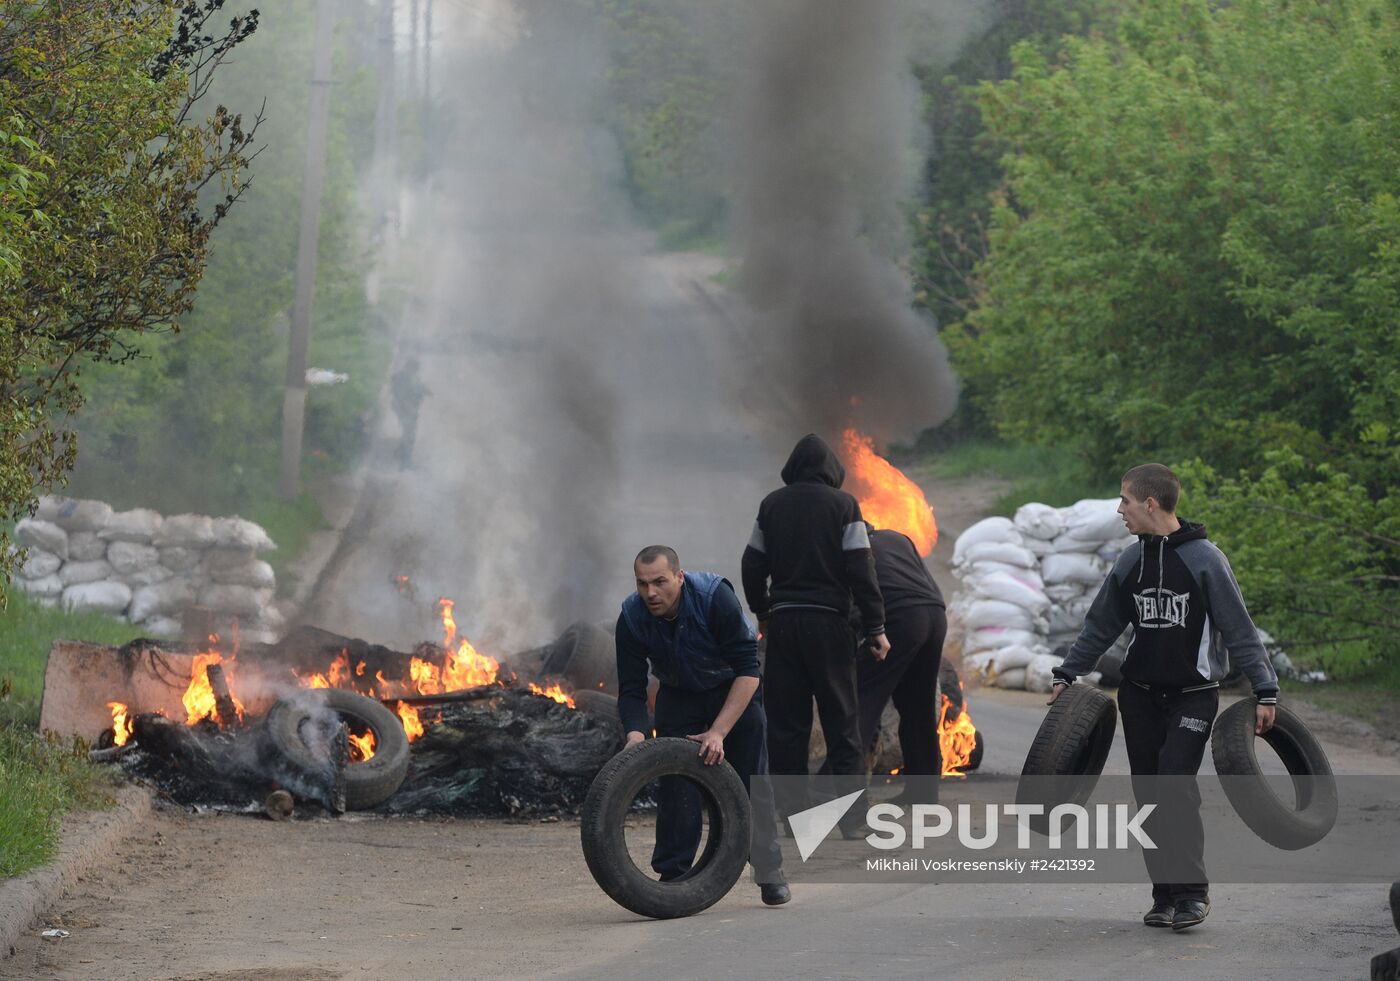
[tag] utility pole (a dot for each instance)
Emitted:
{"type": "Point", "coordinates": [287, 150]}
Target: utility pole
{"type": "Point", "coordinates": [385, 124]}
{"type": "Point", "coordinates": [294, 404]}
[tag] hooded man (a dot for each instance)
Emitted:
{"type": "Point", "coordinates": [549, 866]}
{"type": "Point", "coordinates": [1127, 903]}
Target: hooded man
{"type": "Point", "coordinates": [808, 555]}
{"type": "Point", "coordinates": [1177, 590]}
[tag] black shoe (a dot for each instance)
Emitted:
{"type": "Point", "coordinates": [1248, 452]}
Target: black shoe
{"type": "Point", "coordinates": [1160, 915]}
{"type": "Point", "coordinates": [1190, 912]}
{"type": "Point", "coordinates": [774, 893]}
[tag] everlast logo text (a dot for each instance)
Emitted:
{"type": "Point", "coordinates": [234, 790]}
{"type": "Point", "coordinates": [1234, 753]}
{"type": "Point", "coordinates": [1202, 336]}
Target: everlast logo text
{"type": "Point", "coordinates": [1161, 608]}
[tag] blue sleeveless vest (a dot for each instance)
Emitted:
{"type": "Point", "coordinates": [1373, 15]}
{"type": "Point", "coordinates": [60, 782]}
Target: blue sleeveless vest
{"type": "Point", "coordinates": [687, 658]}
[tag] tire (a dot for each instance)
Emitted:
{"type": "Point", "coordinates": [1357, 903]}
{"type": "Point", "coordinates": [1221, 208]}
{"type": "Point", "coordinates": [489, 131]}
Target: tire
{"type": "Point", "coordinates": [1072, 744]}
{"type": "Point", "coordinates": [589, 656]}
{"type": "Point", "coordinates": [597, 703]}
{"type": "Point", "coordinates": [1276, 821]}
{"type": "Point", "coordinates": [366, 784]}
{"type": "Point", "coordinates": [717, 868]}
{"type": "Point", "coordinates": [1395, 904]}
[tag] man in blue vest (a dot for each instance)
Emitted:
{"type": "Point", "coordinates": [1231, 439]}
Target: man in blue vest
{"type": "Point", "coordinates": [691, 630]}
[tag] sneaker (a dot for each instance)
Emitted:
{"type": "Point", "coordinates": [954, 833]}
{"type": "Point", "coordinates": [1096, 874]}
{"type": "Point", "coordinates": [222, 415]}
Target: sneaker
{"type": "Point", "coordinates": [1190, 912]}
{"type": "Point", "coordinates": [1160, 915]}
{"type": "Point", "coordinates": [774, 893]}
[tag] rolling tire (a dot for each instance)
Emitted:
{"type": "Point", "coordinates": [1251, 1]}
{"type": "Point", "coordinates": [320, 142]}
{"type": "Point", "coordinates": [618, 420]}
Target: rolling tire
{"type": "Point", "coordinates": [716, 869]}
{"type": "Point", "coordinates": [366, 784]}
{"type": "Point", "coordinates": [1282, 824]}
{"type": "Point", "coordinates": [1072, 744]}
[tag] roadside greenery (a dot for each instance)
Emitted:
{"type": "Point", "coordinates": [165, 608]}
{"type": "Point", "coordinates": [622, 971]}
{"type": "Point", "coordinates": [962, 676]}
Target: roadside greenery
{"type": "Point", "coordinates": [40, 781]}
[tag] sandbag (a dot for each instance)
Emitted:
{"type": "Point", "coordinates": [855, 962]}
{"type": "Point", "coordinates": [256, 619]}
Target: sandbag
{"type": "Point", "coordinates": [995, 529]}
{"type": "Point", "coordinates": [74, 573]}
{"type": "Point", "coordinates": [220, 559]}
{"type": "Point", "coordinates": [106, 596]}
{"type": "Point", "coordinates": [40, 564]}
{"type": "Point", "coordinates": [1065, 544]}
{"type": "Point", "coordinates": [188, 530]}
{"type": "Point", "coordinates": [76, 515]}
{"type": "Point", "coordinates": [1007, 553]}
{"type": "Point", "coordinates": [243, 601]}
{"type": "Point", "coordinates": [137, 525]}
{"type": "Point", "coordinates": [85, 546]}
{"type": "Point", "coordinates": [1010, 658]}
{"type": "Point", "coordinates": [1014, 679]}
{"type": "Point", "coordinates": [241, 533]}
{"type": "Point", "coordinates": [978, 570]}
{"type": "Point", "coordinates": [978, 663]}
{"type": "Point", "coordinates": [994, 613]}
{"type": "Point", "coordinates": [148, 576]}
{"type": "Point", "coordinates": [1093, 519]}
{"type": "Point", "coordinates": [167, 627]}
{"type": "Point", "coordinates": [42, 534]}
{"type": "Point", "coordinates": [1109, 551]}
{"type": "Point", "coordinates": [1038, 673]}
{"type": "Point", "coordinates": [1063, 620]}
{"type": "Point", "coordinates": [48, 507]}
{"type": "Point", "coordinates": [256, 573]}
{"type": "Point", "coordinates": [48, 588]}
{"type": "Point", "coordinates": [1039, 547]}
{"type": "Point", "coordinates": [1008, 589]}
{"type": "Point", "coordinates": [993, 638]}
{"type": "Point", "coordinates": [131, 557]}
{"type": "Point", "coordinates": [1039, 521]}
{"type": "Point", "coordinates": [168, 598]}
{"type": "Point", "coordinates": [1066, 592]}
{"type": "Point", "coordinates": [1071, 567]}
{"type": "Point", "coordinates": [178, 558]}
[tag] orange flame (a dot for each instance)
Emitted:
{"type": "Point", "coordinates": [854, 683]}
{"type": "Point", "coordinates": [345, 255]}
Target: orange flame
{"type": "Point", "coordinates": [957, 737]}
{"type": "Point", "coordinates": [412, 725]}
{"type": "Point", "coordinates": [888, 499]}
{"type": "Point", "coordinates": [121, 725]}
{"type": "Point", "coordinates": [555, 692]}
{"type": "Point", "coordinates": [199, 696]}
{"type": "Point", "coordinates": [361, 747]}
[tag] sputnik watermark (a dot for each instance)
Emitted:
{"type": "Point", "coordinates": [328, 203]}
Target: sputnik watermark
{"type": "Point", "coordinates": [1103, 826]}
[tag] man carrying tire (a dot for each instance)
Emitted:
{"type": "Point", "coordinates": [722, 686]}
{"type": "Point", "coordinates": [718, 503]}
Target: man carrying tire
{"type": "Point", "coordinates": [692, 631]}
{"type": "Point", "coordinates": [1177, 590]}
{"type": "Point", "coordinates": [808, 554]}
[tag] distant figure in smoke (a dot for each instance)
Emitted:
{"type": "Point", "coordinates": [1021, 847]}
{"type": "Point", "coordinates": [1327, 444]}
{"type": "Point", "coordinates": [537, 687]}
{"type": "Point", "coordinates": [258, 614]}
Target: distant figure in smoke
{"type": "Point", "coordinates": [811, 542]}
{"type": "Point", "coordinates": [407, 392]}
{"type": "Point", "coordinates": [691, 629]}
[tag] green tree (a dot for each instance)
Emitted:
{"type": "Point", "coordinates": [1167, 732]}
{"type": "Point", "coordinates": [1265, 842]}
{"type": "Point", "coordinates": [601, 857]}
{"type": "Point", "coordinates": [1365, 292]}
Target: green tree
{"type": "Point", "coordinates": [102, 235]}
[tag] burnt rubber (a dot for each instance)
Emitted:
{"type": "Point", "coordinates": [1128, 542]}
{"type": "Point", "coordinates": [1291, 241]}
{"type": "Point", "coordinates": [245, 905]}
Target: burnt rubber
{"type": "Point", "coordinates": [1072, 744]}
{"type": "Point", "coordinates": [605, 808]}
{"type": "Point", "coordinates": [366, 784]}
{"type": "Point", "coordinates": [597, 702]}
{"type": "Point", "coordinates": [1283, 824]}
{"type": "Point", "coordinates": [586, 655]}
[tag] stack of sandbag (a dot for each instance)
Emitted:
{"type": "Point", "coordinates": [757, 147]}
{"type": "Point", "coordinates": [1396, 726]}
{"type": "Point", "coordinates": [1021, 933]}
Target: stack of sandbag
{"type": "Point", "coordinates": [146, 568]}
{"type": "Point", "coordinates": [1047, 563]}
{"type": "Point", "coordinates": [999, 610]}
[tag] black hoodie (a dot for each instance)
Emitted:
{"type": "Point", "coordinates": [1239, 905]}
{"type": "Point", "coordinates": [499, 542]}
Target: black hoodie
{"type": "Point", "coordinates": [811, 542]}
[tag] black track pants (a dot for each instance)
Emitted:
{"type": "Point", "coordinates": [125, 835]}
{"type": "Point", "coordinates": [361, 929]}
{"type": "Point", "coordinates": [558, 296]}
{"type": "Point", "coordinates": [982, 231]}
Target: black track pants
{"type": "Point", "coordinates": [909, 675]}
{"type": "Point", "coordinates": [1166, 733]}
{"type": "Point", "coordinates": [811, 654]}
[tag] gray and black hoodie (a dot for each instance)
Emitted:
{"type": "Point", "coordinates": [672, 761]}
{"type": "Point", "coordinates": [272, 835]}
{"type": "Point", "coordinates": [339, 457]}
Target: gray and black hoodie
{"type": "Point", "coordinates": [1187, 613]}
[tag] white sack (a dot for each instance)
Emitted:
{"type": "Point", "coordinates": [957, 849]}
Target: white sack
{"type": "Point", "coordinates": [1065, 544]}
{"type": "Point", "coordinates": [993, 638]}
{"type": "Point", "coordinates": [178, 558]}
{"type": "Point", "coordinates": [1072, 567]}
{"type": "Point", "coordinates": [137, 525]}
{"type": "Point", "coordinates": [76, 515]}
{"type": "Point", "coordinates": [256, 573]}
{"type": "Point", "coordinates": [49, 587]}
{"type": "Point", "coordinates": [1039, 521]}
{"type": "Point", "coordinates": [40, 564]}
{"type": "Point", "coordinates": [161, 627]}
{"type": "Point", "coordinates": [74, 573]}
{"type": "Point", "coordinates": [993, 613]}
{"type": "Point", "coordinates": [131, 557]}
{"type": "Point", "coordinates": [1015, 679]}
{"type": "Point", "coordinates": [242, 601]}
{"type": "Point", "coordinates": [97, 597]}
{"type": "Point", "coordinates": [42, 534]}
{"type": "Point", "coordinates": [188, 530]}
{"type": "Point", "coordinates": [972, 574]}
{"type": "Point", "coordinates": [168, 598]}
{"type": "Point", "coordinates": [1010, 658]}
{"type": "Point", "coordinates": [1066, 592]}
{"type": "Point", "coordinates": [1095, 520]}
{"type": "Point", "coordinates": [1038, 673]}
{"type": "Point", "coordinates": [241, 533]}
{"type": "Point", "coordinates": [1000, 586]}
{"type": "Point", "coordinates": [85, 546]}
{"type": "Point", "coordinates": [148, 576]}
{"type": "Point", "coordinates": [1007, 553]}
{"type": "Point", "coordinates": [996, 529]}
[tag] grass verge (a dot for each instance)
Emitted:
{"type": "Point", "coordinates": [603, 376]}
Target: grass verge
{"type": "Point", "coordinates": [1049, 475]}
{"type": "Point", "coordinates": [40, 781]}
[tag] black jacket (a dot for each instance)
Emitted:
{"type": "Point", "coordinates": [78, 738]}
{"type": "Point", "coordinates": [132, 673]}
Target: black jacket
{"type": "Point", "coordinates": [904, 579]}
{"type": "Point", "coordinates": [811, 542]}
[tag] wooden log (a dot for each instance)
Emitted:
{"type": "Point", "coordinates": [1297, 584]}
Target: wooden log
{"type": "Point", "coordinates": [223, 698]}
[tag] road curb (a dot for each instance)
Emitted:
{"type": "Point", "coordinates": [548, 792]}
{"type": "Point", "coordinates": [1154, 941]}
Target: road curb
{"type": "Point", "coordinates": [88, 837]}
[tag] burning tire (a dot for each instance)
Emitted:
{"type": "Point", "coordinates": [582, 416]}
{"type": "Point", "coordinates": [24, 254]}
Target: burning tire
{"type": "Point", "coordinates": [726, 850]}
{"type": "Point", "coordinates": [597, 703]}
{"type": "Point", "coordinates": [1072, 744]}
{"type": "Point", "coordinates": [367, 783]}
{"type": "Point", "coordinates": [1273, 819]}
{"type": "Point", "coordinates": [586, 655]}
